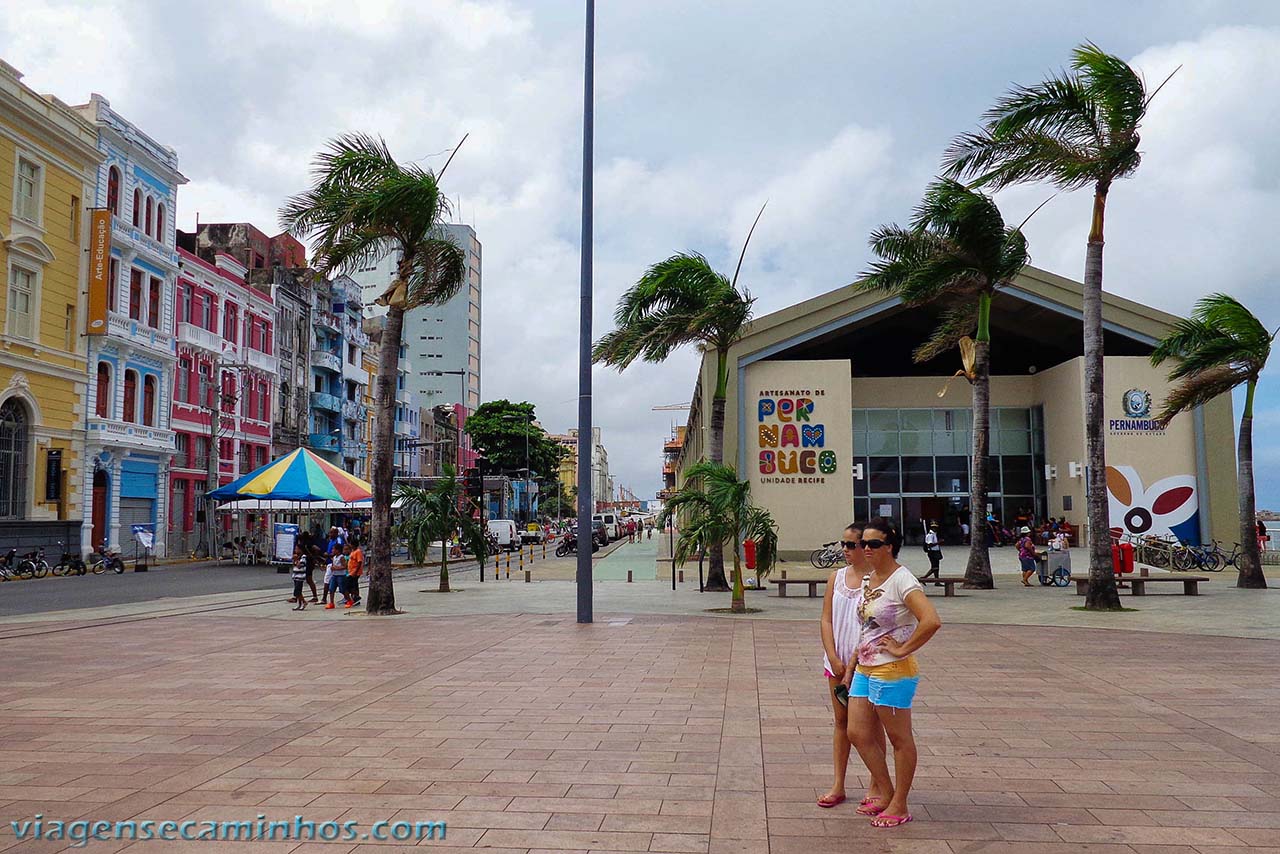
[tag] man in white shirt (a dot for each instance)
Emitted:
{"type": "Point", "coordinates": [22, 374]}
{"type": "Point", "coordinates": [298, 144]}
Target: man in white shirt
{"type": "Point", "coordinates": [934, 551]}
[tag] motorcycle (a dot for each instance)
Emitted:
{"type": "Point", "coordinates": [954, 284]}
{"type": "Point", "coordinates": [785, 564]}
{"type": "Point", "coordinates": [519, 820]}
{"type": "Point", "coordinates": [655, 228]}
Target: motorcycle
{"type": "Point", "coordinates": [100, 560]}
{"type": "Point", "coordinates": [568, 544]}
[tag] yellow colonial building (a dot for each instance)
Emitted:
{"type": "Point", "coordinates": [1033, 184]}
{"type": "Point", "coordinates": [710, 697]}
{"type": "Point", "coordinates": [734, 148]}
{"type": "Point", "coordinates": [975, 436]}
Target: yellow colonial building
{"type": "Point", "coordinates": [48, 166]}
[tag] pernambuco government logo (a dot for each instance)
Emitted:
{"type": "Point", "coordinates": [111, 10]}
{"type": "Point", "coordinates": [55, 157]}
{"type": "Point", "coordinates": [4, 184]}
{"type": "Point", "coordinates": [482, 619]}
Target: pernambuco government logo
{"type": "Point", "coordinates": [1137, 403]}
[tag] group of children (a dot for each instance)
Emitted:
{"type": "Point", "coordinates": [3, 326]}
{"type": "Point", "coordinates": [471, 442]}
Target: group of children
{"type": "Point", "coordinates": [343, 559]}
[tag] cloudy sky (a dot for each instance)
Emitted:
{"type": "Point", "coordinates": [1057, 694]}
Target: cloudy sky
{"type": "Point", "coordinates": [834, 111]}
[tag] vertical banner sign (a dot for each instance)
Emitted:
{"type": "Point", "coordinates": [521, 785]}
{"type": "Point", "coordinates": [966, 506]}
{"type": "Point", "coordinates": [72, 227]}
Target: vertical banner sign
{"type": "Point", "coordinates": [99, 267]}
{"type": "Point", "coordinates": [284, 538]}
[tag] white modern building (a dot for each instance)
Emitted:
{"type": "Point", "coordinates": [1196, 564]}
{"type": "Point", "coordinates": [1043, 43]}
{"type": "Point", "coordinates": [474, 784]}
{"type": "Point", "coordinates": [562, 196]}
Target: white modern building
{"type": "Point", "coordinates": [128, 440]}
{"type": "Point", "coordinates": [442, 341]}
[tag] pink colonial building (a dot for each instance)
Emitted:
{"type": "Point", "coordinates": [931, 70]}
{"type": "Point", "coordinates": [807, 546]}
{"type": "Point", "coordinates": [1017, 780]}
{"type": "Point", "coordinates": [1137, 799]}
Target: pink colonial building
{"type": "Point", "coordinates": [226, 365]}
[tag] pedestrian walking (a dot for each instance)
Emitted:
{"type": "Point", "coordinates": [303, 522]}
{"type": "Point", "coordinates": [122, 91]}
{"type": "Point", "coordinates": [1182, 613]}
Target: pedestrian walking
{"type": "Point", "coordinates": [839, 631]}
{"type": "Point", "coordinates": [895, 619]}
{"type": "Point", "coordinates": [299, 574]}
{"type": "Point", "coordinates": [933, 550]}
{"type": "Point", "coordinates": [355, 569]}
{"type": "Point", "coordinates": [1027, 555]}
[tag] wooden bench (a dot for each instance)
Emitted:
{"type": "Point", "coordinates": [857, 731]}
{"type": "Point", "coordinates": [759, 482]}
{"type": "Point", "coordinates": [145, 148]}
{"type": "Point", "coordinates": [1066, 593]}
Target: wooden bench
{"type": "Point", "coordinates": [812, 584]}
{"type": "Point", "coordinates": [1138, 584]}
{"type": "Point", "coordinates": [947, 582]}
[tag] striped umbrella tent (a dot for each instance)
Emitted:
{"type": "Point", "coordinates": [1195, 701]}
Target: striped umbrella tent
{"type": "Point", "coordinates": [297, 476]}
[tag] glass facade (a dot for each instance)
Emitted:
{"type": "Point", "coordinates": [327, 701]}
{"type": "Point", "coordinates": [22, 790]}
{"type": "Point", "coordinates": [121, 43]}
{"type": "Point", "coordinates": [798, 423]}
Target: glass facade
{"type": "Point", "coordinates": [916, 465]}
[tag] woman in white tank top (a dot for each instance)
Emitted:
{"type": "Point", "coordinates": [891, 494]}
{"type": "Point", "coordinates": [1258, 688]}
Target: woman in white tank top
{"type": "Point", "coordinates": [839, 646]}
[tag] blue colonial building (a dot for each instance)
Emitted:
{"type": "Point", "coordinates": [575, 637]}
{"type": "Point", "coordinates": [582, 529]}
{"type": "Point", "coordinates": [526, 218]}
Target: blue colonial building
{"type": "Point", "coordinates": [129, 442]}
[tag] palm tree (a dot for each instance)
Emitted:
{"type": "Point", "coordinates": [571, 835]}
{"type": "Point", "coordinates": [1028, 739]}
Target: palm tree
{"type": "Point", "coordinates": [433, 515]}
{"type": "Point", "coordinates": [1077, 129]}
{"type": "Point", "coordinates": [362, 206]}
{"type": "Point", "coordinates": [680, 301]}
{"type": "Point", "coordinates": [957, 253]}
{"type": "Point", "coordinates": [1219, 347]}
{"type": "Point", "coordinates": [715, 508]}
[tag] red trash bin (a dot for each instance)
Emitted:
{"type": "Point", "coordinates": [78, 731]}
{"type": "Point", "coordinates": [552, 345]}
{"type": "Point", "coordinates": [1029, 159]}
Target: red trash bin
{"type": "Point", "coordinates": [749, 551]}
{"type": "Point", "coordinates": [1122, 558]}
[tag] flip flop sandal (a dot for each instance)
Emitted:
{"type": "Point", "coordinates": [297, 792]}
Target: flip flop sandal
{"type": "Point", "coordinates": [868, 806]}
{"type": "Point", "coordinates": [833, 802]}
{"type": "Point", "coordinates": [883, 821]}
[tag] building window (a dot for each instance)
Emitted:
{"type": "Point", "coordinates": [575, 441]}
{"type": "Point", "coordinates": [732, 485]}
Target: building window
{"type": "Point", "coordinates": [182, 380]}
{"type": "Point", "coordinates": [137, 208]}
{"type": "Point", "coordinates": [13, 460]}
{"type": "Point", "coordinates": [229, 324]}
{"type": "Point", "coordinates": [264, 401]}
{"type": "Point", "coordinates": [153, 309]}
{"type": "Point", "coordinates": [113, 283]}
{"type": "Point", "coordinates": [102, 396]}
{"type": "Point", "coordinates": [135, 294]}
{"type": "Point", "coordinates": [228, 392]}
{"type": "Point", "coordinates": [113, 191]}
{"type": "Point", "coordinates": [206, 385]}
{"type": "Point", "coordinates": [284, 399]}
{"type": "Point", "coordinates": [74, 236]}
{"type": "Point", "coordinates": [182, 444]}
{"type": "Point", "coordinates": [202, 452]}
{"type": "Point", "coordinates": [22, 295]}
{"type": "Point", "coordinates": [160, 222]}
{"type": "Point", "coordinates": [130, 413]}
{"type": "Point", "coordinates": [71, 329]}
{"type": "Point", "coordinates": [149, 400]}
{"type": "Point", "coordinates": [27, 202]}
{"type": "Point", "coordinates": [147, 229]}
{"type": "Point", "coordinates": [351, 354]}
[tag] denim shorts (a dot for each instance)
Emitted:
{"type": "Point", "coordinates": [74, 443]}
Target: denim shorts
{"type": "Point", "coordinates": [338, 584]}
{"type": "Point", "coordinates": [895, 693]}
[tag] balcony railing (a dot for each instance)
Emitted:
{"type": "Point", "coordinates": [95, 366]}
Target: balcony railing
{"type": "Point", "coordinates": [327, 402]}
{"type": "Point", "coordinates": [355, 373]}
{"type": "Point", "coordinates": [189, 333]}
{"type": "Point", "coordinates": [123, 326]}
{"type": "Point", "coordinates": [404, 428]}
{"type": "Point", "coordinates": [354, 449]}
{"type": "Point", "coordinates": [353, 410]}
{"type": "Point", "coordinates": [326, 360]}
{"type": "Point", "coordinates": [257, 359]}
{"type": "Point", "coordinates": [327, 320]}
{"type": "Point", "coordinates": [324, 442]}
{"type": "Point", "coordinates": [133, 435]}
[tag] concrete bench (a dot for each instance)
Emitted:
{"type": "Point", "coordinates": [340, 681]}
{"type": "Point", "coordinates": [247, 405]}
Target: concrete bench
{"type": "Point", "coordinates": [812, 584]}
{"type": "Point", "coordinates": [947, 582]}
{"type": "Point", "coordinates": [1138, 584]}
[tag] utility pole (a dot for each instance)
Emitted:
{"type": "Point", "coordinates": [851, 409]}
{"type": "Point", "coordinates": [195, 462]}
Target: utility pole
{"type": "Point", "coordinates": [585, 531]}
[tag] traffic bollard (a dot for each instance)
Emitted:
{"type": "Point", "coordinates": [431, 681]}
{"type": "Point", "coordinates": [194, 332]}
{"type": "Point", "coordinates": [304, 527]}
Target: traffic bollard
{"type": "Point", "coordinates": [508, 564]}
{"type": "Point", "coordinates": [681, 575]}
{"type": "Point", "coordinates": [527, 579]}
{"type": "Point", "coordinates": [628, 576]}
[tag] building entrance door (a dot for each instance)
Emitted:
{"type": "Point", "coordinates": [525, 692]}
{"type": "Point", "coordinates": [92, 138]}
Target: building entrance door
{"type": "Point", "coordinates": [101, 493]}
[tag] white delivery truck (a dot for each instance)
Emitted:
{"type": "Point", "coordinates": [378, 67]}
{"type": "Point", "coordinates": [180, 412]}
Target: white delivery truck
{"type": "Point", "coordinates": [504, 531]}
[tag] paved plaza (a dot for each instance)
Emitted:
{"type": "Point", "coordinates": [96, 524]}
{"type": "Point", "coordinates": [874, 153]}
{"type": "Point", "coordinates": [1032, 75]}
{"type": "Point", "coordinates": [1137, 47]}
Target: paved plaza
{"type": "Point", "coordinates": [658, 728]}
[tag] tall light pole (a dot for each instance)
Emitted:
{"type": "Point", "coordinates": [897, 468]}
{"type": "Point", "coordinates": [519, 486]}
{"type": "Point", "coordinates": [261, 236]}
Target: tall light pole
{"type": "Point", "coordinates": [584, 333]}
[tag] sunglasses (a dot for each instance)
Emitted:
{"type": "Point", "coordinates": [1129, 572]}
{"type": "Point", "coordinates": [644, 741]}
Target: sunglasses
{"type": "Point", "coordinates": [848, 544]}
{"type": "Point", "coordinates": [873, 544]}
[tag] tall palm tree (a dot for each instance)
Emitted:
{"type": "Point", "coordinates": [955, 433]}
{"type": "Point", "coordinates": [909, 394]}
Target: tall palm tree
{"type": "Point", "coordinates": [1219, 347]}
{"type": "Point", "coordinates": [684, 300]}
{"type": "Point", "coordinates": [956, 253]}
{"type": "Point", "coordinates": [362, 206]}
{"type": "Point", "coordinates": [1077, 129]}
{"type": "Point", "coordinates": [716, 510]}
{"type": "Point", "coordinates": [434, 515]}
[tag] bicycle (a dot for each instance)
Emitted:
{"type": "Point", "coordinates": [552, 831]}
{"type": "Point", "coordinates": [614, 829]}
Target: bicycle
{"type": "Point", "coordinates": [33, 564]}
{"type": "Point", "coordinates": [828, 556]}
{"type": "Point", "coordinates": [8, 566]}
{"type": "Point", "coordinates": [100, 561]}
{"type": "Point", "coordinates": [69, 564]}
{"type": "Point", "coordinates": [1207, 558]}
{"type": "Point", "coordinates": [1154, 551]}
{"type": "Point", "coordinates": [1231, 558]}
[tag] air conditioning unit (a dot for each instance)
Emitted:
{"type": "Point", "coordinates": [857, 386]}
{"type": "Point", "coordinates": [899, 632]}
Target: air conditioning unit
{"type": "Point", "coordinates": [1075, 469]}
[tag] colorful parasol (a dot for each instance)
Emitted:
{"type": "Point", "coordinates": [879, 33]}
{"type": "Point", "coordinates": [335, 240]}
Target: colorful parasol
{"type": "Point", "coordinates": [297, 476]}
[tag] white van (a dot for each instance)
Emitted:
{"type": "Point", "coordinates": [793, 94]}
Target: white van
{"type": "Point", "coordinates": [505, 532]}
{"type": "Point", "coordinates": [612, 524]}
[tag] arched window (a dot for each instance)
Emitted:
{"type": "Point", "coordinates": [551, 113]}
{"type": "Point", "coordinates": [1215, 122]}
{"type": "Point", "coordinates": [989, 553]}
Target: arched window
{"type": "Point", "coordinates": [137, 208]}
{"type": "Point", "coordinates": [102, 397]}
{"type": "Point", "coordinates": [113, 190]}
{"type": "Point", "coordinates": [130, 413]}
{"type": "Point", "coordinates": [149, 400]}
{"type": "Point", "coordinates": [148, 230]}
{"type": "Point", "coordinates": [14, 437]}
{"type": "Point", "coordinates": [160, 222]}
{"type": "Point", "coordinates": [284, 399]}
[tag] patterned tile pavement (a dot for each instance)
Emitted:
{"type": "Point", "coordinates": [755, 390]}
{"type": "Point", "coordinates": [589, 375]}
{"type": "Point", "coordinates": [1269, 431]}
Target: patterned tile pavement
{"type": "Point", "coordinates": [662, 733]}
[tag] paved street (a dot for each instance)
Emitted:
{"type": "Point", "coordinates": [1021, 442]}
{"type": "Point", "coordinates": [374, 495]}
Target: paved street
{"type": "Point", "coordinates": [638, 733]}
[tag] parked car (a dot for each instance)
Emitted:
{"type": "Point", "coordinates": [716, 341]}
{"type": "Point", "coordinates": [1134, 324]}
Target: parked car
{"type": "Point", "coordinates": [533, 533]}
{"type": "Point", "coordinates": [504, 531]}
{"type": "Point", "coordinates": [600, 533]}
{"type": "Point", "coordinates": [612, 525]}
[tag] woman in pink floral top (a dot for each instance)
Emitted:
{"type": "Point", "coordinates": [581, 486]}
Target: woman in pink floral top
{"type": "Point", "coordinates": [895, 619]}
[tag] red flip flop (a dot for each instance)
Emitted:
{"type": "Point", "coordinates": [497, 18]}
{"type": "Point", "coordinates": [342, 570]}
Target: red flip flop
{"type": "Point", "coordinates": [883, 821]}
{"type": "Point", "coordinates": [868, 806]}
{"type": "Point", "coordinates": [834, 802]}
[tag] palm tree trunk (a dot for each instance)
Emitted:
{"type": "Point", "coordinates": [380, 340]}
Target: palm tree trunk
{"type": "Point", "coordinates": [739, 605]}
{"type": "Point", "coordinates": [977, 572]}
{"type": "Point", "coordinates": [444, 566]}
{"type": "Point", "coordinates": [1102, 595]}
{"type": "Point", "coordinates": [1250, 562]}
{"type": "Point", "coordinates": [715, 449]}
{"type": "Point", "coordinates": [382, 599]}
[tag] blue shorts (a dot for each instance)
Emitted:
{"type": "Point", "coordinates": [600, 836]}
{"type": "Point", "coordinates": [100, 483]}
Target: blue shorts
{"type": "Point", "coordinates": [338, 584]}
{"type": "Point", "coordinates": [895, 693]}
